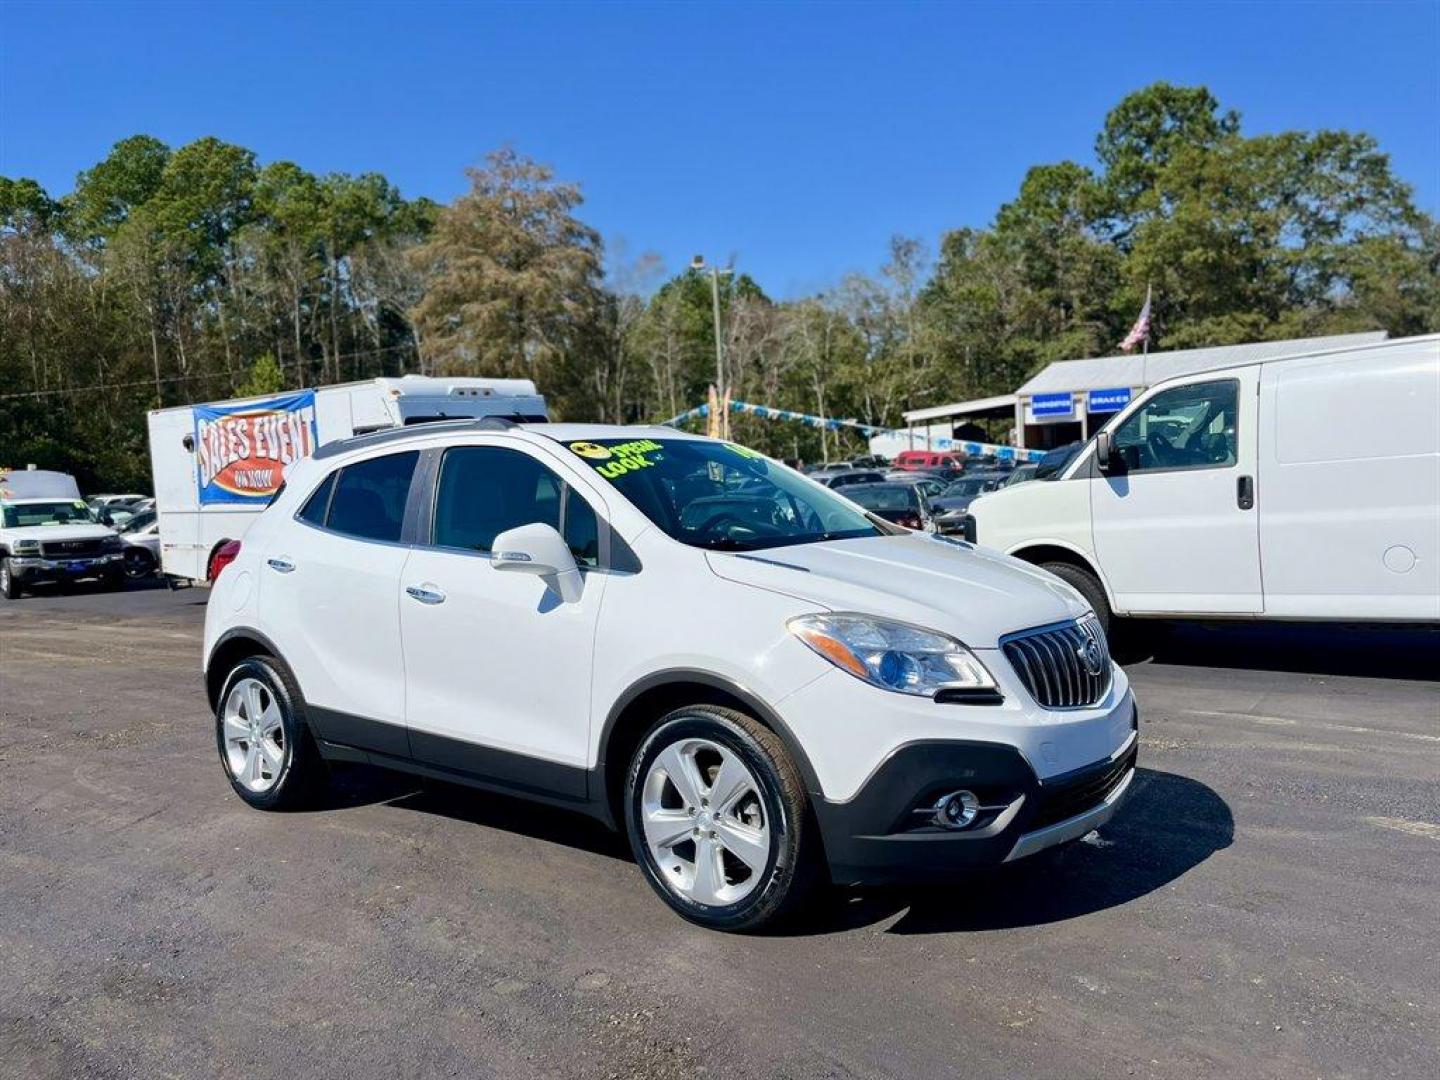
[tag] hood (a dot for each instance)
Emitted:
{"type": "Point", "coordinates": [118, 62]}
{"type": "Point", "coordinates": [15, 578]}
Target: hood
{"type": "Point", "coordinates": [974, 595]}
{"type": "Point", "coordinates": [50, 533]}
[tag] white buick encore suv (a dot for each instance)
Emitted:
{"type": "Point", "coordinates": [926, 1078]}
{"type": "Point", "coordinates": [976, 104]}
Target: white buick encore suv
{"type": "Point", "coordinates": [756, 679]}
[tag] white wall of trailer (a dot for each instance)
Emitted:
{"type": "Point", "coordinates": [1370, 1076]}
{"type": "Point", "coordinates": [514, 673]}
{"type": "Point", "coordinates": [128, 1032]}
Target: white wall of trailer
{"type": "Point", "coordinates": [191, 532]}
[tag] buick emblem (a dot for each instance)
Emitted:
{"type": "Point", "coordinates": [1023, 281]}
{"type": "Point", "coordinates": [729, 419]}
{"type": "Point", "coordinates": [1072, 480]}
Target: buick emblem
{"type": "Point", "coordinates": [1091, 656]}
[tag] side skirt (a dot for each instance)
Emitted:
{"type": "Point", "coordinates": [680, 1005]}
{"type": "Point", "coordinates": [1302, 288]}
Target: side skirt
{"type": "Point", "coordinates": [341, 737]}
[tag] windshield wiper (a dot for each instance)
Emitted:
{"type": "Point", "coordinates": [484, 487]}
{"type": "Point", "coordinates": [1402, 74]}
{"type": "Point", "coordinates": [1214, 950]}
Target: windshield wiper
{"type": "Point", "coordinates": [725, 543]}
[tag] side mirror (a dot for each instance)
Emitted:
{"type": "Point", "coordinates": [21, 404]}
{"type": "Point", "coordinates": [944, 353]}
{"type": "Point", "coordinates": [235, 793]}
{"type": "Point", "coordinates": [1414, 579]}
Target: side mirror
{"type": "Point", "coordinates": [1105, 456]}
{"type": "Point", "coordinates": [540, 550]}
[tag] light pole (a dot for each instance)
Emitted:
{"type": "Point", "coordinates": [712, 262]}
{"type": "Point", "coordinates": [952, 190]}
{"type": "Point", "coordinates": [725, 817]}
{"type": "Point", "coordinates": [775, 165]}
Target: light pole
{"type": "Point", "coordinates": [698, 263]}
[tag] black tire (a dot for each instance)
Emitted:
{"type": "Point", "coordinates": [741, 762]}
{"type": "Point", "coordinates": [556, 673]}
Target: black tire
{"type": "Point", "coordinates": [794, 865]}
{"type": "Point", "coordinates": [139, 563]}
{"type": "Point", "coordinates": [1088, 586]}
{"type": "Point", "coordinates": [9, 587]}
{"type": "Point", "coordinates": [302, 776]}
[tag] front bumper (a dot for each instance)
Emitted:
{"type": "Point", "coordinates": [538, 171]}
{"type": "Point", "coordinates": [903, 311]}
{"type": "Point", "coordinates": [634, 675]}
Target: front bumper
{"type": "Point", "coordinates": [880, 836]}
{"type": "Point", "coordinates": [37, 570]}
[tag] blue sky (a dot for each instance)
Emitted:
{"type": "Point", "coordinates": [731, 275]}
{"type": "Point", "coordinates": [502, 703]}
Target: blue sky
{"type": "Point", "coordinates": [795, 138]}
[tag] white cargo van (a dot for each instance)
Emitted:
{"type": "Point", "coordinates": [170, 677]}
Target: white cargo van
{"type": "Point", "coordinates": [216, 465]}
{"type": "Point", "coordinates": [1304, 487]}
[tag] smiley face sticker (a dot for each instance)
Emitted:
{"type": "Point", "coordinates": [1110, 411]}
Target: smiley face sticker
{"type": "Point", "coordinates": [591, 450]}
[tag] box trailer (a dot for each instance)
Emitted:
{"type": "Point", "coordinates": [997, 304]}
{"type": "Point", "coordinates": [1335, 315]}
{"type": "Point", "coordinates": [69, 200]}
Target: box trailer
{"type": "Point", "coordinates": [216, 465]}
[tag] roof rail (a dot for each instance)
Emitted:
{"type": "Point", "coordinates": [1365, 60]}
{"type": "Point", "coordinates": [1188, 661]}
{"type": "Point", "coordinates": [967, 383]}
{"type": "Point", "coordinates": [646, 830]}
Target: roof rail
{"type": "Point", "coordinates": [397, 434]}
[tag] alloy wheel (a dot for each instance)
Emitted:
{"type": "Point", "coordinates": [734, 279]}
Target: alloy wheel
{"type": "Point", "coordinates": [254, 735]}
{"type": "Point", "coordinates": [705, 822]}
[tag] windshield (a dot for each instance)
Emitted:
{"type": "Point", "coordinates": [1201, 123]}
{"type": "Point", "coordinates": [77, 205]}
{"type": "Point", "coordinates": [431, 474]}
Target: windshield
{"type": "Point", "coordinates": [721, 496]}
{"type": "Point", "coordinates": [140, 521]}
{"type": "Point", "coordinates": [66, 512]}
{"type": "Point", "coordinates": [883, 496]}
{"type": "Point", "coordinates": [971, 485]}
{"type": "Point", "coordinates": [1055, 461]}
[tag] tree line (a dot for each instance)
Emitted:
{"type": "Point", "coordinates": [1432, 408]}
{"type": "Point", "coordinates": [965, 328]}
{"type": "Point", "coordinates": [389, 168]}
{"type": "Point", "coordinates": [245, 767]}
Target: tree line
{"type": "Point", "coordinates": [172, 275]}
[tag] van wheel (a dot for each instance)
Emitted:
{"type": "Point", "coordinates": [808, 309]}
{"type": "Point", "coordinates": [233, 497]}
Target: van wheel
{"type": "Point", "coordinates": [1088, 586]}
{"type": "Point", "coordinates": [265, 746]}
{"type": "Point", "coordinates": [717, 817]}
{"type": "Point", "coordinates": [9, 587]}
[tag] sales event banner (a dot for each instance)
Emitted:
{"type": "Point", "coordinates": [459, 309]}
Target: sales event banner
{"type": "Point", "coordinates": [241, 450]}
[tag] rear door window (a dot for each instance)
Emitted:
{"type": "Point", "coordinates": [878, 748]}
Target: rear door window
{"type": "Point", "coordinates": [369, 497]}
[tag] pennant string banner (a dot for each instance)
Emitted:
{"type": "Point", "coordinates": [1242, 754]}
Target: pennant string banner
{"type": "Point", "coordinates": [958, 446]}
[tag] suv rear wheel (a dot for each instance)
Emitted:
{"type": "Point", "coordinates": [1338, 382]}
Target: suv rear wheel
{"type": "Point", "coordinates": [717, 817]}
{"type": "Point", "coordinates": [264, 745]}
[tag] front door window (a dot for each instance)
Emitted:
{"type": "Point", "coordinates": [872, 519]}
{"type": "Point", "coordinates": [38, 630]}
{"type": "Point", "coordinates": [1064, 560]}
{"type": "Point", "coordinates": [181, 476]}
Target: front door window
{"type": "Point", "coordinates": [1187, 427]}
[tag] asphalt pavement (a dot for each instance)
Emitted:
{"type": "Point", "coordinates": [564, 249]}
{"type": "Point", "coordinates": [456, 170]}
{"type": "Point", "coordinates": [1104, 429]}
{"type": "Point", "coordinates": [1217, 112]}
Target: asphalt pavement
{"type": "Point", "coordinates": [1266, 905]}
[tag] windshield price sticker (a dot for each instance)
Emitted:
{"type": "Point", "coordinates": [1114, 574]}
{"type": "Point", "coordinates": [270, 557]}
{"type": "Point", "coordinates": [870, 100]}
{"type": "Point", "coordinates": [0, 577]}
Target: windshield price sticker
{"type": "Point", "coordinates": [617, 460]}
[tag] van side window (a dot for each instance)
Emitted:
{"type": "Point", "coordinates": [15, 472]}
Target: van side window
{"type": "Point", "coordinates": [1187, 427]}
{"type": "Point", "coordinates": [315, 507]}
{"type": "Point", "coordinates": [369, 497]}
{"type": "Point", "coordinates": [485, 490]}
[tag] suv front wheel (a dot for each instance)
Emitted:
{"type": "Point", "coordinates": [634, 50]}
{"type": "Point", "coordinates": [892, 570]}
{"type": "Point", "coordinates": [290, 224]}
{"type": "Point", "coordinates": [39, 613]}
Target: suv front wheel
{"type": "Point", "coordinates": [717, 817]}
{"type": "Point", "coordinates": [264, 745]}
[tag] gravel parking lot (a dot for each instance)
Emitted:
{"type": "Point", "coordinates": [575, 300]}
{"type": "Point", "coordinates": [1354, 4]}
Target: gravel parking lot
{"type": "Point", "coordinates": [1266, 906]}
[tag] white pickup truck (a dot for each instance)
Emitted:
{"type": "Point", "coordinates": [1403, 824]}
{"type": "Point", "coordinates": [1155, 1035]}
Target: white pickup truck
{"type": "Point", "coordinates": [49, 535]}
{"type": "Point", "coordinates": [1305, 487]}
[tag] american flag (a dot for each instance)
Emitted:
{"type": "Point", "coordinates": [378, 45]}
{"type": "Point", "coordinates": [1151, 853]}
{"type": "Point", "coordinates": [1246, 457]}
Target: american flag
{"type": "Point", "coordinates": [1141, 330]}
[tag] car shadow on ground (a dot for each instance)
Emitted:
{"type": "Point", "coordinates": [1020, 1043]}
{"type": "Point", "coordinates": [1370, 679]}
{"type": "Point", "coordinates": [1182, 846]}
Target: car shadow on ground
{"type": "Point", "coordinates": [1379, 652]}
{"type": "Point", "coordinates": [1167, 826]}
{"type": "Point", "coordinates": [362, 785]}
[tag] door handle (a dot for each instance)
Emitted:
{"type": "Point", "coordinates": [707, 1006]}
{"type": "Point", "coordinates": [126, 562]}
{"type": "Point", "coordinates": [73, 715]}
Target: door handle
{"type": "Point", "coordinates": [283, 566]}
{"type": "Point", "coordinates": [1245, 493]}
{"type": "Point", "coordinates": [426, 594]}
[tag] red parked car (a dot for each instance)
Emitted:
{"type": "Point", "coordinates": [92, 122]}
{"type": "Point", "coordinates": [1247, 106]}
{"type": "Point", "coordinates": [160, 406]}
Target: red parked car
{"type": "Point", "coordinates": [929, 459]}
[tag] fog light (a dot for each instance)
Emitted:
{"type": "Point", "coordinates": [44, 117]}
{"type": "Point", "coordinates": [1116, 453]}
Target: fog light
{"type": "Point", "coordinates": [957, 810]}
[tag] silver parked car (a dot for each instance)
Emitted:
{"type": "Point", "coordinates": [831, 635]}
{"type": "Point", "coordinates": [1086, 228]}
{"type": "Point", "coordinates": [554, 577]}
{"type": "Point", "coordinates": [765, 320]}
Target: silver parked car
{"type": "Point", "coordinates": [141, 537]}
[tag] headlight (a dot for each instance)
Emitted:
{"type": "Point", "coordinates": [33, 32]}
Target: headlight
{"type": "Point", "coordinates": [26, 547]}
{"type": "Point", "coordinates": [892, 655]}
{"type": "Point", "coordinates": [112, 543]}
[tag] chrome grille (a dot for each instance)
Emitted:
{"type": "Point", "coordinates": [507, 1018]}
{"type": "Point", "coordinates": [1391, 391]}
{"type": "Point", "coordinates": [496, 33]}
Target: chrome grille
{"type": "Point", "coordinates": [1052, 663]}
{"type": "Point", "coordinates": [72, 549]}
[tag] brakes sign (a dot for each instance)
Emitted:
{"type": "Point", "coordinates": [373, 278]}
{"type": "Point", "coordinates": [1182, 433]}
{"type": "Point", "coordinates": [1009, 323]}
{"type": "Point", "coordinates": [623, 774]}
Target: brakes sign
{"type": "Point", "coordinates": [241, 450]}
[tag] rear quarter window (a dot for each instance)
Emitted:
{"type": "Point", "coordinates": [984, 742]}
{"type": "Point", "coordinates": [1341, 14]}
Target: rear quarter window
{"type": "Point", "coordinates": [316, 506]}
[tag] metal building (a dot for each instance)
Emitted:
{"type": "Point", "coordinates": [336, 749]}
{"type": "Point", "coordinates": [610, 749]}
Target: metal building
{"type": "Point", "coordinates": [1072, 398]}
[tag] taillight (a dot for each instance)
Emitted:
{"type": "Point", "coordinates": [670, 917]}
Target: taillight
{"type": "Point", "coordinates": [223, 557]}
